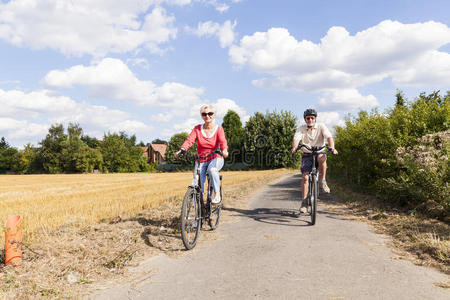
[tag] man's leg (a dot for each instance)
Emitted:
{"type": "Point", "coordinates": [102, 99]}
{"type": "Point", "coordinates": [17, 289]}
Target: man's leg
{"type": "Point", "coordinates": [305, 177]}
{"type": "Point", "coordinates": [322, 159]}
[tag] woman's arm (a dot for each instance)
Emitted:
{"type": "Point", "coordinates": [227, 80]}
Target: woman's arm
{"type": "Point", "coordinates": [222, 141]}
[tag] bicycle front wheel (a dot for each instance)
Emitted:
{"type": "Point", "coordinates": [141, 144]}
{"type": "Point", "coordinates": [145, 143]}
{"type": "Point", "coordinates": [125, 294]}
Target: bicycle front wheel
{"type": "Point", "coordinates": [190, 219]}
{"type": "Point", "coordinates": [314, 195]}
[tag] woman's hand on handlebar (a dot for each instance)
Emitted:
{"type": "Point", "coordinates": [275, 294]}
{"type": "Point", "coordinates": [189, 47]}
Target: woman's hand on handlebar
{"type": "Point", "coordinates": [225, 153]}
{"type": "Point", "coordinates": [334, 151]}
{"type": "Point", "coordinates": [179, 153]}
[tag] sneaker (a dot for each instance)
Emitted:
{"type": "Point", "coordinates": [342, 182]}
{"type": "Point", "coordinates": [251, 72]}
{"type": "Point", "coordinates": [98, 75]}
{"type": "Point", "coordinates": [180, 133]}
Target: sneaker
{"type": "Point", "coordinates": [216, 200]}
{"type": "Point", "coordinates": [324, 186]}
{"type": "Point", "coordinates": [304, 206]}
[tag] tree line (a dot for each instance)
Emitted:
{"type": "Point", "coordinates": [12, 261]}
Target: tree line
{"type": "Point", "coordinates": [70, 151]}
{"type": "Point", "coordinates": [264, 142]}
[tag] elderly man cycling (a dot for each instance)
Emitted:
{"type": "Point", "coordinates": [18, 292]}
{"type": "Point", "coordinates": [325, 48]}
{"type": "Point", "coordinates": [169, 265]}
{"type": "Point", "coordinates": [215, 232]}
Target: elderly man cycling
{"type": "Point", "coordinates": [312, 134]}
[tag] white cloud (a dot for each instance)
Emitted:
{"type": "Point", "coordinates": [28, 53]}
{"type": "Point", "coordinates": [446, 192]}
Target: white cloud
{"type": "Point", "coordinates": [225, 32]}
{"type": "Point", "coordinates": [346, 99]}
{"type": "Point", "coordinates": [26, 117]}
{"type": "Point", "coordinates": [112, 79]}
{"type": "Point", "coordinates": [86, 27]}
{"type": "Point", "coordinates": [340, 63]}
{"type": "Point", "coordinates": [139, 61]}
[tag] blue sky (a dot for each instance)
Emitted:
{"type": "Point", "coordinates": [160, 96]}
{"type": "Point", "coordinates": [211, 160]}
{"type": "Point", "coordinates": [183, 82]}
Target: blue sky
{"type": "Point", "coordinates": [146, 66]}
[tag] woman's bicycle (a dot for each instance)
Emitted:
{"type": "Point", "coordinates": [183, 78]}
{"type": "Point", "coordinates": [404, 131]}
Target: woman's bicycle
{"type": "Point", "coordinates": [313, 182]}
{"type": "Point", "coordinates": [194, 211]}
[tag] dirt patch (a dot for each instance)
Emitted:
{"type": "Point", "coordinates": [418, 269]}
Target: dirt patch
{"type": "Point", "coordinates": [65, 263]}
{"type": "Point", "coordinates": [423, 241]}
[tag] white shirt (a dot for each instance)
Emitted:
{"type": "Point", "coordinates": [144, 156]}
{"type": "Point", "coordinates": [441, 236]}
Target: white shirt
{"type": "Point", "coordinates": [312, 137]}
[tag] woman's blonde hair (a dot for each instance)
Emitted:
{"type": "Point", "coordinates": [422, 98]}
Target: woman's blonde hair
{"type": "Point", "coordinates": [210, 106]}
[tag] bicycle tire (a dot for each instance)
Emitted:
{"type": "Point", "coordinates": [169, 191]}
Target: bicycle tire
{"type": "Point", "coordinates": [314, 200]}
{"type": "Point", "coordinates": [190, 219]}
{"type": "Point", "coordinates": [214, 215]}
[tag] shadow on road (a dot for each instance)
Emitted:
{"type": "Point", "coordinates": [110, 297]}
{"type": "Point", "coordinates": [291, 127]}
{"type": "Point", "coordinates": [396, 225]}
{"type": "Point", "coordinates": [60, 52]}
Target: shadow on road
{"type": "Point", "coordinates": [279, 204]}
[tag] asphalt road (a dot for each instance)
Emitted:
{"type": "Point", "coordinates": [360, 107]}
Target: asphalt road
{"type": "Point", "coordinates": [272, 254]}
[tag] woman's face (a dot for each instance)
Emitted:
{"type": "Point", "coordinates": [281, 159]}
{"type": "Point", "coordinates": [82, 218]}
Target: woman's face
{"type": "Point", "coordinates": [208, 115]}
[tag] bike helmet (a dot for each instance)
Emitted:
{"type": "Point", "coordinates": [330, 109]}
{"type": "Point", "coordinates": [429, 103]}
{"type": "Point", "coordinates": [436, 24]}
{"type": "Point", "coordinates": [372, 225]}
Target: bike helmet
{"type": "Point", "coordinates": [310, 112]}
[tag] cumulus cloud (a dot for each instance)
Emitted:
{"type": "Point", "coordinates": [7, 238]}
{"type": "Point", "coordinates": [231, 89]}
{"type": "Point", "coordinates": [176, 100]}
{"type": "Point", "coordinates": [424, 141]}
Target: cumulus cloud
{"type": "Point", "coordinates": [86, 27]}
{"type": "Point", "coordinates": [112, 79]}
{"type": "Point", "coordinates": [27, 116]}
{"type": "Point", "coordinates": [225, 32]}
{"type": "Point", "coordinates": [341, 62]}
{"type": "Point", "coordinates": [192, 117]}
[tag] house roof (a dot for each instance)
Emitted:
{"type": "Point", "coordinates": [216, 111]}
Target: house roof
{"type": "Point", "coordinates": [161, 148]}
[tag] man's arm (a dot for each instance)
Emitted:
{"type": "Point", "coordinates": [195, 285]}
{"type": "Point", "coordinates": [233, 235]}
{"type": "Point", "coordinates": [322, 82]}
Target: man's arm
{"type": "Point", "coordinates": [296, 141]}
{"type": "Point", "coordinates": [331, 145]}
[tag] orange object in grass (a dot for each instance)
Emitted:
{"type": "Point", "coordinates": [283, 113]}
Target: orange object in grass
{"type": "Point", "coordinates": [13, 241]}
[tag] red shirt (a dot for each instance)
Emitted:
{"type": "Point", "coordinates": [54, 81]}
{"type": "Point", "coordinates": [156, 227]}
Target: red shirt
{"type": "Point", "coordinates": [206, 145]}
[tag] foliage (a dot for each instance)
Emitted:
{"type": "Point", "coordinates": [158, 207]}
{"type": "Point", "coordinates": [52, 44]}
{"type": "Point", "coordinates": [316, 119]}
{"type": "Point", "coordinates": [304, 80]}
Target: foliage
{"type": "Point", "coordinates": [120, 154]}
{"type": "Point", "coordinates": [7, 154]}
{"type": "Point", "coordinates": [159, 141]}
{"type": "Point", "coordinates": [268, 140]}
{"type": "Point", "coordinates": [368, 148]}
{"type": "Point", "coordinates": [234, 133]}
{"type": "Point", "coordinates": [174, 145]}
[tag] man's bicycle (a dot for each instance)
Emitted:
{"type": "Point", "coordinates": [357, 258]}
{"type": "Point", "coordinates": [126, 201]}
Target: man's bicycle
{"type": "Point", "coordinates": [313, 182]}
{"type": "Point", "coordinates": [194, 211]}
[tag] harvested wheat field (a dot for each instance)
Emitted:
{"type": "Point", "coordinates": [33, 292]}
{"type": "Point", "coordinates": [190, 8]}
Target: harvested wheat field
{"type": "Point", "coordinates": [82, 229]}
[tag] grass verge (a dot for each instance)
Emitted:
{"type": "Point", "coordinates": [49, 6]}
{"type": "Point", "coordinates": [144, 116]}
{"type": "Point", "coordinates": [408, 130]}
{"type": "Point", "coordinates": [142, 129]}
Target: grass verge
{"type": "Point", "coordinates": [421, 240]}
{"type": "Point", "coordinates": [65, 262]}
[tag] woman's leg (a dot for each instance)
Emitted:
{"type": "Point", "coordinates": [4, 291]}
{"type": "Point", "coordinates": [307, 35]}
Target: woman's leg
{"type": "Point", "coordinates": [213, 170]}
{"type": "Point", "coordinates": [203, 170]}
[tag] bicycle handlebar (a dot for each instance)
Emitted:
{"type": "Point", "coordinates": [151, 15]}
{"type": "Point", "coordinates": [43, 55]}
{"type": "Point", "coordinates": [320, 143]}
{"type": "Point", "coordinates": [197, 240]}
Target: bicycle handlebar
{"type": "Point", "coordinates": [196, 157]}
{"type": "Point", "coordinates": [313, 149]}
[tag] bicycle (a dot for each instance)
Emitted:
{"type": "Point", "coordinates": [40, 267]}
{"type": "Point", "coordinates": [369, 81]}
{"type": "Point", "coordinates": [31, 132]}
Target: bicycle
{"type": "Point", "coordinates": [313, 183]}
{"type": "Point", "coordinates": [194, 211]}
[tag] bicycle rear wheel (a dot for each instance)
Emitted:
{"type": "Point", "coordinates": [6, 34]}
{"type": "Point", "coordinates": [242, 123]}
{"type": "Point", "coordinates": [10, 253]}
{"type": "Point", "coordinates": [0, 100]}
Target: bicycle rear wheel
{"type": "Point", "coordinates": [214, 216]}
{"type": "Point", "coordinates": [190, 219]}
{"type": "Point", "coordinates": [313, 199]}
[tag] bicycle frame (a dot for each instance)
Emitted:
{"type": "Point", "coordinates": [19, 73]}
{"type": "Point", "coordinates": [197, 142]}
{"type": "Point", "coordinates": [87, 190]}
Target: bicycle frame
{"type": "Point", "coordinates": [313, 182]}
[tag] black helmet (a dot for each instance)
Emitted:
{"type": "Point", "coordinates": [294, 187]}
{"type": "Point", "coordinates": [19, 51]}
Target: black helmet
{"type": "Point", "coordinates": [310, 112]}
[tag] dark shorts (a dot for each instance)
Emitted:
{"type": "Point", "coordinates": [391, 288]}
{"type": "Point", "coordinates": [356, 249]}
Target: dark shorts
{"type": "Point", "coordinates": [307, 161]}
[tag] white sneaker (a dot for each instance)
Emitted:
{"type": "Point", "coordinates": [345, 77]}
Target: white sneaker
{"type": "Point", "coordinates": [304, 206]}
{"type": "Point", "coordinates": [324, 186]}
{"type": "Point", "coordinates": [216, 200]}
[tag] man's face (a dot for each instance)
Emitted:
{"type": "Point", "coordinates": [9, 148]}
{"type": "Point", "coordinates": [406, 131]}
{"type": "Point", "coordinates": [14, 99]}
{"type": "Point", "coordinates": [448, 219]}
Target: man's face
{"type": "Point", "coordinates": [310, 120]}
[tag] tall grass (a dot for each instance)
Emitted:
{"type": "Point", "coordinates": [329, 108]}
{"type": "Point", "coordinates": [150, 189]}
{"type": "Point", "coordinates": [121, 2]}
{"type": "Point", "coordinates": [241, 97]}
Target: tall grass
{"type": "Point", "coordinates": [47, 202]}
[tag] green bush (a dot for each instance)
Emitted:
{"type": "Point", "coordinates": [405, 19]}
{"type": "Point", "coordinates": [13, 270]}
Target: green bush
{"type": "Point", "coordinates": [376, 151]}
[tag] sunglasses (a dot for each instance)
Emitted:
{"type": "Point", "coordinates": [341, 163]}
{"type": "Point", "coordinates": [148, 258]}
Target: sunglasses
{"type": "Point", "coordinates": [208, 114]}
{"type": "Point", "coordinates": [310, 118]}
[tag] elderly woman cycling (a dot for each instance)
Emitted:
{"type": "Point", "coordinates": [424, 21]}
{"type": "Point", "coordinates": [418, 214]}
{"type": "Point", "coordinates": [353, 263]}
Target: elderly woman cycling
{"type": "Point", "coordinates": [209, 136]}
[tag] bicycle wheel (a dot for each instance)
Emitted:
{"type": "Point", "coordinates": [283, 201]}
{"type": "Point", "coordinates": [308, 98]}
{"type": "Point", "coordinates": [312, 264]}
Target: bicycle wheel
{"type": "Point", "coordinates": [314, 200]}
{"type": "Point", "coordinates": [214, 216]}
{"type": "Point", "coordinates": [190, 219]}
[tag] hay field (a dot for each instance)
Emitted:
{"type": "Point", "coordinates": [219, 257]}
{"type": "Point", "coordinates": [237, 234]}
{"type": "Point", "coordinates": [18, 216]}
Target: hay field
{"type": "Point", "coordinates": [47, 202]}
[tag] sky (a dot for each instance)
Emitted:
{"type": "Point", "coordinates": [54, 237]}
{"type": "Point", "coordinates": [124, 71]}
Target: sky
{"type": "Point", "coordinates": [147, 66]}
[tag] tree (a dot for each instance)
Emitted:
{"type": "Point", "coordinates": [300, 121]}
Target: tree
{"type": "Point", "coordinates": [159, 141]}
{"type": "Point", "coordinates": [175, 144]}
{"type": "Point", "coordinates": [268, 140]}
{"type": "Point", "coordinates": [234, 134]}
{"type": "Point", "coordinates": [120, 154]}
{"type": "Point", "coordinates": [7, 154]}
{"type": "Point", "coordinates": [51, 149]}
{"type": "Point", "coordinates": [400, 98]}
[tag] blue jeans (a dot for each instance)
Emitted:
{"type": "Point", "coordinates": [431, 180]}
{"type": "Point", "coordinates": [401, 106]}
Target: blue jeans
{"type": "Point", "coordinates": [212, 167]}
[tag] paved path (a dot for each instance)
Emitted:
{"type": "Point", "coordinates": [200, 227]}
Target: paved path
{"type": "Point", "coordinates": [271, 254]}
